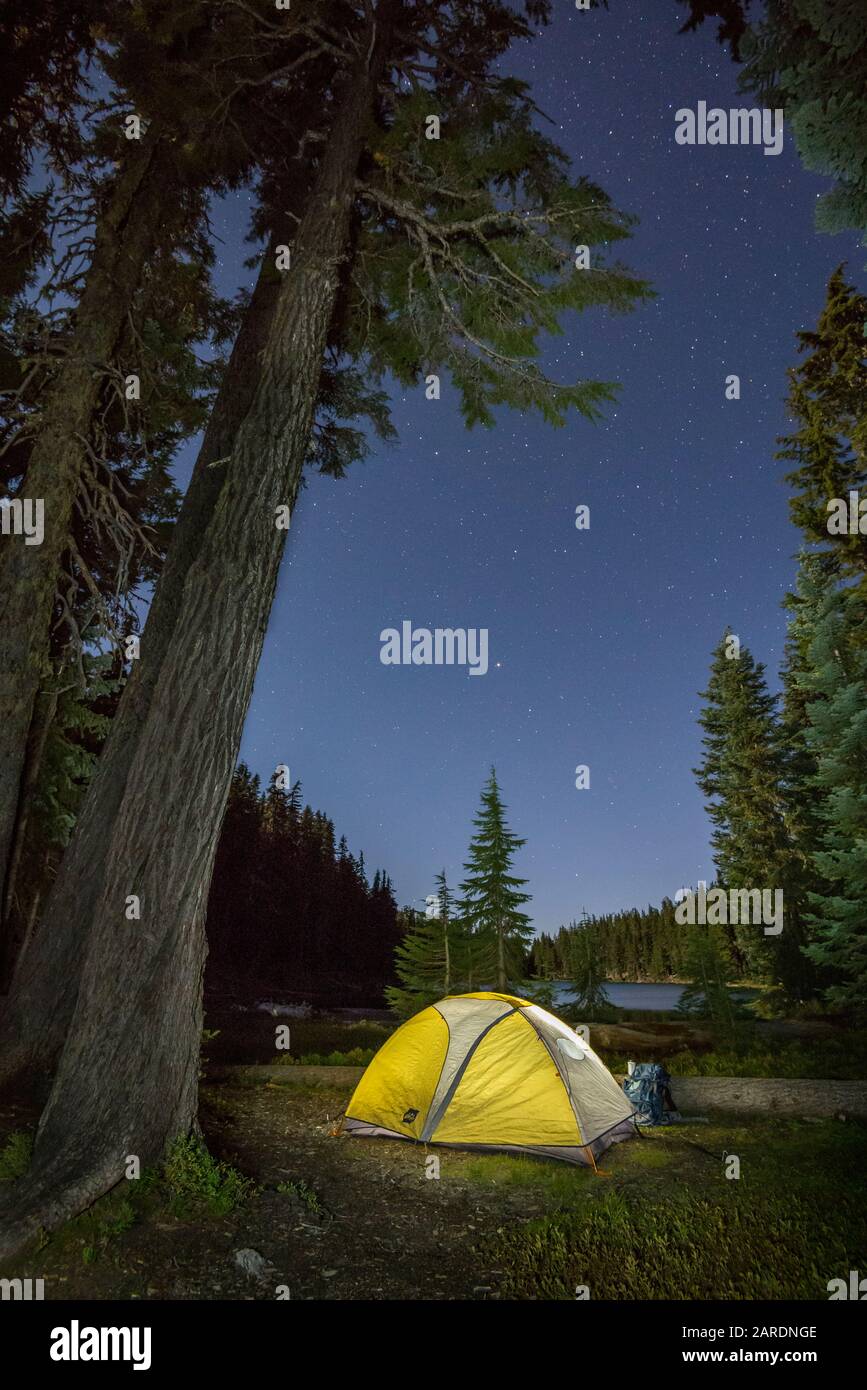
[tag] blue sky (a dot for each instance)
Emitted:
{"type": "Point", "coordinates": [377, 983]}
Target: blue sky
{"type": "Point", "coordinates": [599, 639]}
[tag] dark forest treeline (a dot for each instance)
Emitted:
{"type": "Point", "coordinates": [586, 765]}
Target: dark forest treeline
{"type": "Point", "coordinates": [636, 944]}
{"type": "Point", "coordinates": [292, 910]}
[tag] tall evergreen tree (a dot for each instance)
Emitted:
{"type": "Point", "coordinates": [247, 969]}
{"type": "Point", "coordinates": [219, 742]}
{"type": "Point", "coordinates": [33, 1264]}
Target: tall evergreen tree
{"type": "Point", "coordinates": [586, 974]}
{"type": "Point", "coordinates": [124, 210]}
{"type": "Point", "coordinates": [742, 774]}
{"type": "Point", "coordinates": [808, 57]}
{"type": "Point", "coordinates": [708, 971]}
{"type": "Point", "coordinates": [836, 686]}
{"type": "Point", "coordinates": [828, 401]}
{"type": "Point", "coordinates": [287, 910]}
{"type": "Point", "coordinates": [497, 934]}
{"type": "Point", "coordinates": [43, 996]}
{"type": "Point", "coordinates": [811, 60]}
{"type": "Point", "coordinates": [425, 957]}
{"type": "Point", "coordinates": [803, 796]}
{"type": "Point", "coordinates": [825, 714]}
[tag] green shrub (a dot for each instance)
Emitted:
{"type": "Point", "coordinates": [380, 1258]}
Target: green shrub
{"type": "Point", "coordinates": [193, 1175]}
{"type": "Point", "coordinates": [208, 1036]}
{"type": "Point", "coordinates": [107, 1220]}
{"type": "Point", "coordinates": [839, 1058]}
{"type": "Point", "coordinates": [304, 1192]}
{"type": "Point", "coordinates": [357, 1057]}
{"type": "Point", "coordinates": [15, 1156]}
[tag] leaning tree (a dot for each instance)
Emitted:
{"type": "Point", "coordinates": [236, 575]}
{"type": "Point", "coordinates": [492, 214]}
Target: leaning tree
{"type": "Point", "coordinates": [419, 257]}
{"type": "Point", "coordinates": [133, 166]}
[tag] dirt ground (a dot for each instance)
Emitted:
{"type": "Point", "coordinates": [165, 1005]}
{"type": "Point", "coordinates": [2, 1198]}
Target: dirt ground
{"type": "Point", "coordinates": [360, 1219]}
{"type": "Point", "coordinates": [385, 1230]}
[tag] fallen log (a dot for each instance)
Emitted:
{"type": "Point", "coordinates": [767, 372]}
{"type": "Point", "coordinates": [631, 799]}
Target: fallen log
{"type": "Point", "coordinates": [755, 1095]}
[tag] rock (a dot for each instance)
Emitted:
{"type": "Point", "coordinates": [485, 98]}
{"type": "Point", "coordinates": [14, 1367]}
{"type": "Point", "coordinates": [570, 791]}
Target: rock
{"type": "Point", "coordinates": [252, 1263]}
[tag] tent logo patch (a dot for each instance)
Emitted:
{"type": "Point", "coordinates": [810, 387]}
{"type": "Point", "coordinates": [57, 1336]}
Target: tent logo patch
{"type": "Point", "coordinates": [409, 1116]}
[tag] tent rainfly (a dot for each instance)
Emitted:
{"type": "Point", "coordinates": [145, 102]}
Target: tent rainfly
{"type": "Point", "coordinates": [489, 1071]}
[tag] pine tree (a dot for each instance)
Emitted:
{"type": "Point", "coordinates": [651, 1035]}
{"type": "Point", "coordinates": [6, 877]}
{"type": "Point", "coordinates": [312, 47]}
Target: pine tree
{"type": "Point", "coordinates": [125, 229]}
{"type": "Point", "coordinates": [743, 776]}
{"type": "Point", "coordinates": [803, 796]}
{"type": "Point", "coordinates": [42, 999]}
{"type": "Point", "coordinates": [732, 15]}
{"type": "Point", "coordinates": [836, 686]}
{"type": "Point", "coordinates": [424, 957]}
{"type": "Point", "coordinates": [811, 60]}
{"type": "Point", "coordinates": [828, 400]}
{"type": "Point", "coordinates": [826, 696]}
{"type": "Point", "coordinates": [497, 934]}
{"type": "Point", "coordinates": [586, 974]}
{"type": "Point", "coordinates": [708, 970]}
{"type": "Point", "coordinates": [286, 910]}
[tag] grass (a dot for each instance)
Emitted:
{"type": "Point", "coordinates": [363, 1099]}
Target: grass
{"type": "Point", "coordinates": [15, 1156]}
{"type": "Point", "coordinates": [191, 1184]}
{"type": "Point", "coordinates": [357, 1057]}
{"type": "Point", "coordinates": [667, 1223]}
{"type": "Point", "coordinates": [830, 1059]}
{"type": "Point", "coordinates": [93, 1233]}
{"type": "Point", "coordinates": [101, 1224]}
{"type": "Point", "coordinates": [304, 1194]}
{"type": "Point", "coordinates": [195, 1179]}
{"type": "Point", "coordinates": [688, 1249]}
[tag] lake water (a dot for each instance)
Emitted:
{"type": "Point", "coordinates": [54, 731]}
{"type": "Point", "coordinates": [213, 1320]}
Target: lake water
{"type": "Point", "coordinates": [654, 998]}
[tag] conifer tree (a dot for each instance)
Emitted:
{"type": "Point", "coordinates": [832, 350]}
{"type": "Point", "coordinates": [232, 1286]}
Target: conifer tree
{"type": "Point", "coordinates": [496, 933]}
{"type": "Point", "coordinates": [811, 60]}
{"type": "Point", "coordinates": [586, 974]}
{"type": "Point", "coordinates": [803, 795]}
{"type": "Point", "coordinates": [124, 211]}
{"type": "Point", "coordinates": [825, 711]}
{"type": "Point", "coordinates": [44, 53]}
{"type": "Point", "coordinates": [742, 774]}
{"type": "Point", "coordinates": [288, 911]}
{"type": "Point", "coordinates": [828, 401]}
{"type": "Point", "coordinates": [42, 997]}
{"type": "Point", "coordinates": [836, 687]}
{"type": "Point", "coordinates": [707, 967]}
{"type": "Point", "coordinates": [424, 959]}
{"type": "Point", "coordinates": [732, 16]}
{"type": "Point", "coordinates": [808, 57]}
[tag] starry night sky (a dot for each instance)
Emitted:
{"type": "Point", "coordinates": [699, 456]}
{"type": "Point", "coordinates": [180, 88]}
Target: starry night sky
{"type": "Point", "coordinates": [600, 639]}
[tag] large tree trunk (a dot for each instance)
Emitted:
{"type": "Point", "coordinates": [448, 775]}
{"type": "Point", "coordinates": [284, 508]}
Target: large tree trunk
{"type": "Point", "coordinates": [16, 908]}
{"type": "Point", "coordinates": [125, 235]}
{"type": "Point", "coordinates": [127, 1078]}
{"type": "Point", "coordinates": [45, 986]}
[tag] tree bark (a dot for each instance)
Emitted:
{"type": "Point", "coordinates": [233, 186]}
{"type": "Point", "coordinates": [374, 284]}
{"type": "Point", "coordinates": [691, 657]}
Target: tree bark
{"type": "Point", "coordinates": [125, 235]}
{"type": "Point", "coordinates": [502, 982]}
{"type": "Point", "coordinates": [44, 990]}
{"type": "Point", "coordinates": [126, 1082]}
{"type": "Point", "coordinates": [44, 714]}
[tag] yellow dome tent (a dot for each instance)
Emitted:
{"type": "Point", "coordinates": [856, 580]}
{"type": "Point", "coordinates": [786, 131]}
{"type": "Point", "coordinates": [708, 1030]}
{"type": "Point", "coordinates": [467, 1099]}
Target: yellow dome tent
{"type": "Point", "coordinates": [489, 1071]}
